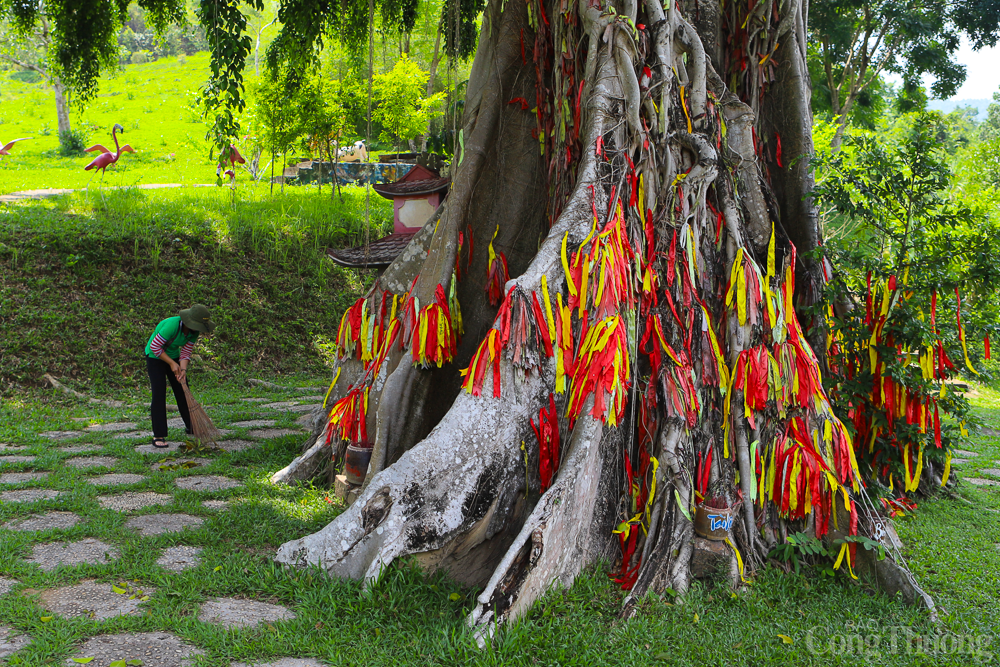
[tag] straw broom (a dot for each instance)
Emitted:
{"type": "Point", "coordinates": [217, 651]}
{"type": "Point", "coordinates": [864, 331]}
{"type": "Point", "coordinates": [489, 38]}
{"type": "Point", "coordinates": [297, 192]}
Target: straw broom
{"type": "Point", "coordinates": [201, 426]}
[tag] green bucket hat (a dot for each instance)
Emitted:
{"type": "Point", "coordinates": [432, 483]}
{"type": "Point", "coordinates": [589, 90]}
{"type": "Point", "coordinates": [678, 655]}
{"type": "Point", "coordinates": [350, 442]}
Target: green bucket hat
{"type": "Point", "coordinates": [198, 318]}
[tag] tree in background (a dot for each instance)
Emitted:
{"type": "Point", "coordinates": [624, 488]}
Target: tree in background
{"type": "Point", "coordinates": [856, 42]}
{"type": "Point", "coordinates": [403, 110]}
{"type": "Point", "coordinates": [278, 115]}
{"type": "Point", "coordinates": [325, 121]}
{"type": "Point", "coordinates": [30, 50]}
{"type": "Point", "coordinates": [905, 253]}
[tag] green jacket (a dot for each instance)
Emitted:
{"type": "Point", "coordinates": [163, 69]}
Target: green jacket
{"type": "Point", "coordinates": [181, 345]}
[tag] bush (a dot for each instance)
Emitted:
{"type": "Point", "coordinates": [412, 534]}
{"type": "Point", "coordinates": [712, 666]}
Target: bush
{"type": "Point", "coordinates": [26, 76]}
{"type": "Point", "coordinates": [140, 57]}
{"type": "Point", "coordinates": [72, 143]}
{"type": "Point", "coordinates": [904, 252]}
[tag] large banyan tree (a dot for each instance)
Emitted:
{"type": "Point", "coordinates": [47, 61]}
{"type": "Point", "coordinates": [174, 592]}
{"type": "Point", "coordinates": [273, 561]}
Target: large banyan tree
{"type": "Point", "coordinates": [604, 330]}
{"type": "Point", "coordinates": [607, 331]}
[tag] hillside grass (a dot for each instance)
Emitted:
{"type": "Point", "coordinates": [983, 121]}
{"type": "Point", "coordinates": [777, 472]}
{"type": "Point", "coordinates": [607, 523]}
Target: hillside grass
{"type": "Point", "coordinates": [85, 277]}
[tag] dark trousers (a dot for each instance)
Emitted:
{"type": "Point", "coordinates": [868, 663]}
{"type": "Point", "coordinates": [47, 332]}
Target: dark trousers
{"type": "Point", "coordinates": [159, 373]}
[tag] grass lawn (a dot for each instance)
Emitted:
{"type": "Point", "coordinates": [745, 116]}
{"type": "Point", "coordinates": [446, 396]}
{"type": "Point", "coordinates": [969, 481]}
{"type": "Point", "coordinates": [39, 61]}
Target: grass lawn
{"type": "Point", "coordinates": [151, 101]}
{"type": "Point", "coordinates": [410, 619]}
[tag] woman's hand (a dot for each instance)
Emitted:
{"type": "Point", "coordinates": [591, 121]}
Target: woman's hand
{"type": "Point", "coordinates": [181, 374]}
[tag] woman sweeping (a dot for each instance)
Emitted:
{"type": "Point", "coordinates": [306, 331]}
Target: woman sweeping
{"type": "Point", "coordinates": [168, 354]}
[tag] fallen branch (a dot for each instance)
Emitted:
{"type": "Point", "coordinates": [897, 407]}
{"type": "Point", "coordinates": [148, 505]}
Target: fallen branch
{"type": "Point", "coordinates": [72, 392]}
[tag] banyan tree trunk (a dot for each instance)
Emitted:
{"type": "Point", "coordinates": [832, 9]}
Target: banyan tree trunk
{"type": "Point", "coordinates": [595, 339]}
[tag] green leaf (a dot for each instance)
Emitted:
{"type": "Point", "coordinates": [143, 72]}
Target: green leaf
{"type": "Point", "coordinates": [118, 589]}
{"type": "Point", "coordinates": [217, 568]}
{"type": "Point", "coordinates": [46, 619]}
{"type": "Point", "coordinates": [785, 639]}
{"type": "Point", "coordinates": [134, 662]}
{"type": "Point", "coordinates": [454, 596]}
{"type": "Point", "coordinates": [118, 663]}
{"type": "Point", "coordinates": [83, 661]}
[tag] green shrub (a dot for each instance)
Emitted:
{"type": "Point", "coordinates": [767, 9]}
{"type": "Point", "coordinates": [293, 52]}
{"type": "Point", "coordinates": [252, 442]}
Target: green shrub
{"type": "Point", "coordinates": [26, 76]}
{"type": "Point", "coordinates": [72, 143]}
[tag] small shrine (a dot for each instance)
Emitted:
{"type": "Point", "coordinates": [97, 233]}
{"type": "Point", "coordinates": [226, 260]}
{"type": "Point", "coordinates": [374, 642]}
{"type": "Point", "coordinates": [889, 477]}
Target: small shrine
{"type": "Point", "coordinates": [414, 198]}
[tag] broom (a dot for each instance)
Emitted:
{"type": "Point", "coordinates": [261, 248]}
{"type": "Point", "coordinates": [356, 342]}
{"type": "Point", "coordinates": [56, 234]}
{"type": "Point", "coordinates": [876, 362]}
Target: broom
{"type": "Point", "coordinates": [201, 426]}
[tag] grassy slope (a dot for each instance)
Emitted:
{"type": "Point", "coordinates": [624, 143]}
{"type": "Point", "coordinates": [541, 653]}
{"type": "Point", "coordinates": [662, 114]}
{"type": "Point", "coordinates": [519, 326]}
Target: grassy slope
{"type": "Point", "coordinates": [82, 283]}
{"type": "Point", "coordinates": [169, 140]}
{"type": "Point", "coordinates": [412, 620]}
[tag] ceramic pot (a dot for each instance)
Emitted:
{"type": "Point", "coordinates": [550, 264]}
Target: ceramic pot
{"type": "Point", "coordinates": [356, 463]}
{"type": "Point", "coordinates": [715, 523]}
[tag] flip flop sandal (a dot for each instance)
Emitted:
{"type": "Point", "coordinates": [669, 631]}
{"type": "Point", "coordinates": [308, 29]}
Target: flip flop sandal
{"type": "Point", "coordinates": [160, 443]}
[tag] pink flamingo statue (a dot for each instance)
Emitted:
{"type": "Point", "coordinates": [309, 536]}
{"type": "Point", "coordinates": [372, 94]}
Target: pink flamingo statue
{"type": "Point", "coordinates": [5, 150]}
{"type": "Point", "coordinates": [232, 156]}
{"type": "Point", "coordinates": [107, 158]}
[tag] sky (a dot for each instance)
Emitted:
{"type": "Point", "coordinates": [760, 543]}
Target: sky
{"type": "Point", "coordinates": [982, 72]}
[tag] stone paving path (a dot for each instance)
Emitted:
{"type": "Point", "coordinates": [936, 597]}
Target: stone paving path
{"type": "Point", "coordinates": [31, 484]}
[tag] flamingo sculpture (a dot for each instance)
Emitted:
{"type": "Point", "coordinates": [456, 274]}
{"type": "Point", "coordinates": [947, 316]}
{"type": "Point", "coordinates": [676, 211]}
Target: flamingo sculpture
{"type": "Point", "coordinates": [5, 150]}
{"type": "Point", "coordinates": [107, 158]}
{"type": "Point", "coordinates": [232, 156]}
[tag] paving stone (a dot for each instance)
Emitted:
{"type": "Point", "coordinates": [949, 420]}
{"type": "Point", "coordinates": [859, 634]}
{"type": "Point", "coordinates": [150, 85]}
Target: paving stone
{"type": "Point", "coordinates": [964, 452]}
{"type": "Point", "coordinates": [51, 555]}
{"type": "Point", "coordinates": [255, 400]}
{"type": "Point", "coordinates": [206, 483]}
{"type": "Point", "coordinates": [84, 462]}
{"type": "Point", "coordinates": [134, 500]}
{"type": "Point", "coordinates": [11, 642]}
{"type": "Point", "coordinates": [29, 495]}
{"type": "Point", "coordinates": [7, 460]}
{"type": "Point", "coordinates": [216, 504]}
{"type": "Point", "coordinates": [61, 435]}
{"type": "Point", "coordinates": [117, 479]}
{"type": "Point", "coordinates": [7, 584]}
{"type": "Point", "coordinates": [173, 465]}
{"type": "Point", "coordinates": [155, 649]}
{"type": "Point", "coordinates": [21, 477]}
{"type": "Point", "coordinates": [95, 600]}
{"type": "Point", "coordinates": [177, 559]}
{"type": "Point", "coordinates": [4, 447]}
{"type": "Point", "coordinates": [268, 433]}
{"type": "Point", "coordinates": [309, 407]}
{"type": "Point", "coordinates": [992, 472]}
{"type": "Point", "coordinates": [132, 435]}
{"type": "Point", "coordinates": [978, 481]}
{"type": "Point", "coordinates": [235, 445]}
{"type": "Point", "coordinates": [282, 662]}
{"type": "Point", "coordinates": [280, 405]}
{"type": "Point", "coordinates": [234, 613]}
{"type": "Point", "coordinates": [112, 427]}
{"type": "Point", "coordinates": [77, 449]}
{"type": "Point", "coordinates": [253, 423]}
{"type": "Point", "coordinates": [314, 397]}
{"type": "Point", "coordinates": [158, 524]}
{"type": "Point", "coordinates": [172, 447]}
{"type": "Point", "coordinates": [310, 389]}
{"type": "Point", "coordinates": [958, 462]}
{"type": "Point", "coordinates": [62, 520]}
{"type": "Point", "coordinates": [175, 422]}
